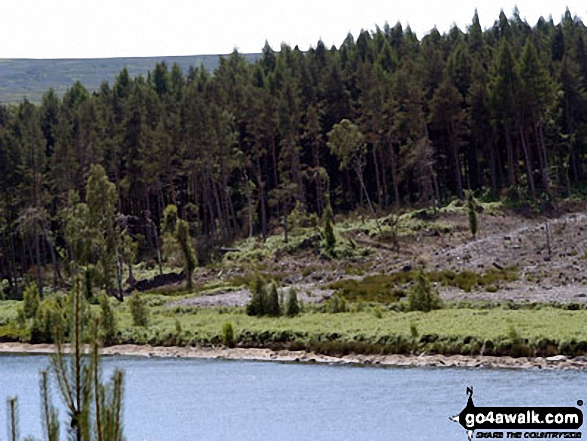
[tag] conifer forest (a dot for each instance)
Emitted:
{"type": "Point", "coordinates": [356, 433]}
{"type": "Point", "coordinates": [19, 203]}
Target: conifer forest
{"type": "Point", "coordinates": [382, 123]}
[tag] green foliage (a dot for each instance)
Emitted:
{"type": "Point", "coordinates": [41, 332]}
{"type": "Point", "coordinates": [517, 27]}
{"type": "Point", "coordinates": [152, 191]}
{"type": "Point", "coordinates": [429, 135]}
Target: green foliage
{"type": "Point", "coordinates": [273, 308]}
{"type": "Point", "coordinates": [138, 309]}
{"type": "Point", "coordinates": [328, 229]}
{"type": "Point", "coordinates": [108, 325]}
{"type": "Point", "coordinates": [472, 328]}
{"type": "Point", "coordinates": [377, 312]}
{"type": "Point", "coordinates": [263, 301]}
{"type": "Point", "coordinates": [89, 281]}
{"type": "Point", "coordinates": [472, 214]}
{"type": "Point", "coordinates": [95, 408]}
{"type": "Point", "coordinates": [422, 114]}
{"type": "Point", "coordinates": [93, 234]}
{"type": "Point", "coordinates": [182, 234]}
{"type": "Point", "coordinates": [292, 307]}
{"type": "Point", "coordinates": [347, 143]}
{"type": "Point", "coordinates": [388, 288]}
{"type": "Point", "coordinates": [102, 200]}
{"type": "Point", "coordinates": [258, 303]}
{"type": "Point", "coordinates": [31, 301]}
{"type": "Point", "coordinates": [169, 219]}
{"type": "Point", "coordinates": [377, 288]}
{"type": "Point", "coordinates": [228, 335]}
{"type": "Point", "coordinates": [299, 218]}
{"type": "Point", "coordinates": [421, 296]}
{"type": "Point", "coordinates": [336, 304]}
{"type": "Point", "coordinates": [49, 318]}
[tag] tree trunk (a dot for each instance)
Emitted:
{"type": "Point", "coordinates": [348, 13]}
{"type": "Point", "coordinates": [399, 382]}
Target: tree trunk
{"type": "Point", "coordinates": [456, 161]}
{"type": "Point", "coordinates": [543, 155]}
{"type": "Point", "coordinates": [359, 172]}
{"type": "Point", "coordinates": [38, 258]}
{"type": "Point", "coordinates": [393, 160]}
{"type": "Point", "coordinates": [157, 246]}
{"type": "Point", "coordinates": [510, 158]}
{"type": "Point", "coordinates": [377, 179]}
{"type": "Point", "coordinates": [528, 162]}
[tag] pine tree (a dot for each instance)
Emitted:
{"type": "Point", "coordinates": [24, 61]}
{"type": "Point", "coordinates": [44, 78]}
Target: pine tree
{"type": "Point", "coordinates": [328, 229]}
{"type": "Point", "coordinates": [95, 408]}
{"type": "Point", "coordinates": [182, 235]}
{"type": "Point", "coordinates": [421, 296]}
{"type": "Point", "coordinates": [346, 142]}
{"type": "Point", "coordinates": [292, 307]}
{"type": "Point", "coordinates": [257, 305]}
{"type": "Point", "coordinates": [273, 308]}
{"type": "Point", "coordinates": [104, 233]}
{"type": "Point", "coordinates": [472, 214]}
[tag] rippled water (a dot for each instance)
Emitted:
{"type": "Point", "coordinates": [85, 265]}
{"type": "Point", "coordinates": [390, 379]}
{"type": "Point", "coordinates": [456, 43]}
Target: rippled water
{"type": "Point", "coordinates": [190, 399]}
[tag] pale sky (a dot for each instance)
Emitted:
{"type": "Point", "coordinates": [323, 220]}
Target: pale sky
{"type": "Point", "coordinates": [126, 28]}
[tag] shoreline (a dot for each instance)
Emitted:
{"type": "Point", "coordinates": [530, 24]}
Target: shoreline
{"type": "Point", "coordinates": [286, 356]}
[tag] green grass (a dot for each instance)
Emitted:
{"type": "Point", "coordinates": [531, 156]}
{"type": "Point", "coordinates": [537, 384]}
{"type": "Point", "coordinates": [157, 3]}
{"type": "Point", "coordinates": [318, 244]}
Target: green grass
{"type": "Point", "coordinates": [379, 288]}
{"type": "Point", "coordinates": [387, 288]}
{"type": "Point", "coordinates": [254, 251]}
{"type": "Point", "coordinates": [544, 331]}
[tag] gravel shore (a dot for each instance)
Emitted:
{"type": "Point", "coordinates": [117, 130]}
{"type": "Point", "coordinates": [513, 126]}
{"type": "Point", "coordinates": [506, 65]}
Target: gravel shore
{"type": "Point", "coordinates": [422, 360]}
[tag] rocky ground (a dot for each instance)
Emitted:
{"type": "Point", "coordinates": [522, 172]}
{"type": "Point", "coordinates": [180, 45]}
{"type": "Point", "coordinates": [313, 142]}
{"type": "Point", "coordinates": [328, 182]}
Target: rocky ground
{"type": "Point", "coordinates": [550, 254]}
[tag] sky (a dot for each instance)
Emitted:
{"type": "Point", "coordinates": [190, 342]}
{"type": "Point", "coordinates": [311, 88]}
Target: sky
{"type": "Point", "coordinates": [127, 28]}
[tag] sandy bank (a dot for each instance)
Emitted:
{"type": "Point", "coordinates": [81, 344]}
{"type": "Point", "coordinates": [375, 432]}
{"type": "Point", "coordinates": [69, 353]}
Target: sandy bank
{"type": "Point", "coordinates": [424, 360]}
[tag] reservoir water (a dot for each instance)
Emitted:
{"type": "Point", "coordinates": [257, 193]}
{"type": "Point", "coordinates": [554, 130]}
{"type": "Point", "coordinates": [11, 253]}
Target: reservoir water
{"type": "Point", "coordinates": [194, 399]}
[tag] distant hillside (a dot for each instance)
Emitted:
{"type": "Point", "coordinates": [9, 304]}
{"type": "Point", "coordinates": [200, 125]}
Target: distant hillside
{"type": "Point", "coordinates": [32, 78]}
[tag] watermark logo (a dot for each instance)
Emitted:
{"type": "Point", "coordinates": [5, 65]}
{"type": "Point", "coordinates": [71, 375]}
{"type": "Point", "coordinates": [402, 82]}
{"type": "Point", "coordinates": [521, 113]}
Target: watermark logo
{"type": "Point", "coordinates": [512, 420]}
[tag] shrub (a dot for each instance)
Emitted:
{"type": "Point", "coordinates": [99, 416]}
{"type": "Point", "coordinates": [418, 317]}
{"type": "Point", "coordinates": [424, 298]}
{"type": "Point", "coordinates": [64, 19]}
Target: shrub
{"type": "Point", "coordinates": [138, 310]}
{"type": "Point", "coordinates": [258, 302]}
{"type": "Point", "coordinates": [273, 308]}
{"type": "Point", "coordinates": [89, 281]}
{"type": "Point", "coordinates": [336, 304]}
{"type": "Point", "coordinates": [328, 230]}
{"type": "Point", "coordinates": [473, 216]}
{"type": "Point", "coordinates": [48, 318]}
{"type": "Point", "coordinates": [378, 288]}
{"type": "Point", "coordinates": [293, 307]}
{"type": "Point", "coordinates": [377, 312]}
{"type": "Point", "coordinates": [107, 320]}
{"type": "Point", "coordinates": [190, 261]}
{"type": "Point", "coordinates": [31, 300]}
{"type": "Point", "coordinates": [421, 295]}
{"type": "Point", "coordinates": [228, 335]}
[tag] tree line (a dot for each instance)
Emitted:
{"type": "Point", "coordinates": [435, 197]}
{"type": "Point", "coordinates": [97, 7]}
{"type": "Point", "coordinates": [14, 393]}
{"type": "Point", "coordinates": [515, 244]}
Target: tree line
{"type": "Point", "coordinates": [383, 122]}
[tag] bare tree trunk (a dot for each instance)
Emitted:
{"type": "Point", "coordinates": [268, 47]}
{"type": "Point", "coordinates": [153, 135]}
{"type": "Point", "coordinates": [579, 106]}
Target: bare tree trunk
{"type": "Point", "coordinates": [544, 158]}
{"type": "Point", "coordinates": [395, 184]}
{"type": "Point", "coordinates": [10, 273]}
{"type": "Point", "coordinates": [13, 257]}
{"type": "Point", "coordinates": [359, 172]}
{"type": "Point", "coordinates": [38, 258]}
{"type": "Point", "coordinates": [454, 148]}
{"type": "Point", "coordinates": [157, 247]}
{"type": "Point", "coordinates": [377, 179]}
{"type": "Point", "coordinates": [55, 261]}
{"type": "Point", "coordinates": [510, 157]}
{"type": "Point", "coordinates": [384, 180]}
{"type": "Point", "coordinates": [528, 162]}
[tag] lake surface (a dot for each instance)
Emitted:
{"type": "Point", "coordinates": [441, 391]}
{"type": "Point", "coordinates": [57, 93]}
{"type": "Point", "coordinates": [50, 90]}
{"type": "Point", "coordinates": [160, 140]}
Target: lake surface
{"type": "Point", "coordinates": [192, 399]}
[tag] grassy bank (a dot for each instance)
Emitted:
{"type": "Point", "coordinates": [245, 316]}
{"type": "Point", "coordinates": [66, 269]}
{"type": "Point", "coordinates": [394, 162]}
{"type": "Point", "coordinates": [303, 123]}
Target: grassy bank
{"type": "Point", "coordinates": [541, 330]}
